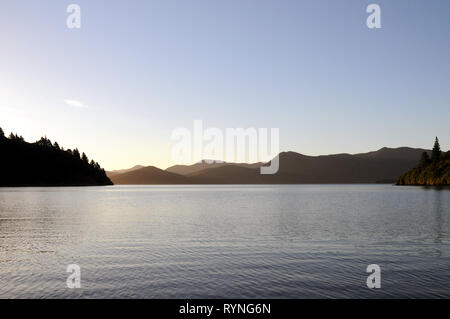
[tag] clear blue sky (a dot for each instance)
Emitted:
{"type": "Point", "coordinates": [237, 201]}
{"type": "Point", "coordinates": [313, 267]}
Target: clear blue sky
{"type": "Point", "coordinates": [143, 68]}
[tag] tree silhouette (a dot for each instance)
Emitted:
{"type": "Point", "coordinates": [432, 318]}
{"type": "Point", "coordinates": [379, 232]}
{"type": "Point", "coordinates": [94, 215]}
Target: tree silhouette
{"type": "Point", "coordinates": [424, 160]}
{"type": "Point", "coordinates": [76, 153]}
{"type": "Point", "coordinates": [16, 137]}
{"type": "Point", "coordinates": [44, 141]}
{"type": "Point", "coordinates": [436, 153]}
{"type": "Point", "coordinates": [84, 158]}
{"type": "Point", "coordinates": [2, 134]}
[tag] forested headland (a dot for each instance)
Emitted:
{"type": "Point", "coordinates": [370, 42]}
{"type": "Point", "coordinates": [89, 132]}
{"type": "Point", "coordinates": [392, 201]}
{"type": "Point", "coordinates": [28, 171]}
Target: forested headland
{"type": "Point", "coordinates": [431, 171]}
{"type": "Point", "coordinates": [44, 163]}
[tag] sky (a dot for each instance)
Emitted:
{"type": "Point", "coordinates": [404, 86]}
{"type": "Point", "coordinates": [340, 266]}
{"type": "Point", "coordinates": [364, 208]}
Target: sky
{"type": "Point", "coordinates": [136, 70]}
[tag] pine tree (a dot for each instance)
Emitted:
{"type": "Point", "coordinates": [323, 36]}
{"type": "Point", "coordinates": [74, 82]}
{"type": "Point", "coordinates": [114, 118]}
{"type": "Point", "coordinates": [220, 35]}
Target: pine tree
{"type": "Point", "coordinates": [44, 141]}
{"type": "Point", "coordinates": [424, 160]}
{"type": "Point", "coordinates": [2, 136]}
{"type": "Point", "coordinates": [84, 158]}
{"type": "Point", "coordinates": [436, 153]}
{"type": "Point", "coordinates": [76, 153]}
{"type": "Point", "coordinates": [15, 137]}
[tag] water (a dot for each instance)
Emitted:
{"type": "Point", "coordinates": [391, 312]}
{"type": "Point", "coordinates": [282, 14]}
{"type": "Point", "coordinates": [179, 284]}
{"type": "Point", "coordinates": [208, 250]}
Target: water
{"type": "Point", "coordinates": [301, 241]}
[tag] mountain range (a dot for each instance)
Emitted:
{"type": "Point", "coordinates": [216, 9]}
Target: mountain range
{"type": "Point", "coordinates": [382, 166]}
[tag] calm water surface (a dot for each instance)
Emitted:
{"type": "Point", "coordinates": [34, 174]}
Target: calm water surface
{"type": "Point", "coordinates": [302, 241]}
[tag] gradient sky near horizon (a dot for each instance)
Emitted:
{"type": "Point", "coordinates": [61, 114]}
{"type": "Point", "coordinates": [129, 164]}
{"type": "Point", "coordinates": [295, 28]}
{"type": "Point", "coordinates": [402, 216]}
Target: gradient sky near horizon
{"type": "Point", "coordinates": [136, 70]}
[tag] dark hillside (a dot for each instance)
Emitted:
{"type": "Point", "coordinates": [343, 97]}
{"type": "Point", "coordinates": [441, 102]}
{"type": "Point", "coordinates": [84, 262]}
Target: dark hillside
{"type": "Point", "coordinates": [45, 164]}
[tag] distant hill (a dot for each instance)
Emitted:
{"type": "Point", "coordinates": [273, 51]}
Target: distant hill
{"type": "Point", "coordinates": [434, 171]}
{"type": "Point", "coordinates": [45, 164]}
{"type": "Point", "coordinates": [148, 176]}
{"type": "Point", "coordinates": [228, 174]}
{"type": "Point", "coordinates": [121, 171]}
{"type": "Point", "coordinates": [384, 165]}
{"type": "Point", "coordinates": [197, 167]}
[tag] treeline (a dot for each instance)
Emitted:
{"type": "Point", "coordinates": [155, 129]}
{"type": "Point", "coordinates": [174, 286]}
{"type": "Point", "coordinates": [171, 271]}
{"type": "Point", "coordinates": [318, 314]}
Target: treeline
{"type": "Point", "coordinates": [44, 163]}
{"type": "Point", "coordinates": [434, 171]}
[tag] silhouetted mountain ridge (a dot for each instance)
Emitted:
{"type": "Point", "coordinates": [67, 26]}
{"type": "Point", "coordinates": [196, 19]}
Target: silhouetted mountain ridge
{"type": "Point", "coordinates": [205, 164]}
{"type": "Point", "coordinates": [149, 175]}
{"type": "Point", "coordinates": [383, 165]}
{"type": "Point", "coordinates": [121, 171]}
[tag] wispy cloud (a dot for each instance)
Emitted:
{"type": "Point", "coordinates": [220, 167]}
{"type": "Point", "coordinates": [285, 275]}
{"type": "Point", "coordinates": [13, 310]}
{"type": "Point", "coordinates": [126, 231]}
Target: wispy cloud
{"type": "Point", "coordinates": [75, 103]}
